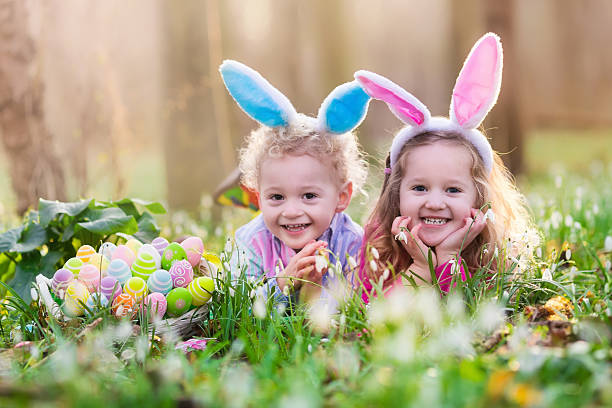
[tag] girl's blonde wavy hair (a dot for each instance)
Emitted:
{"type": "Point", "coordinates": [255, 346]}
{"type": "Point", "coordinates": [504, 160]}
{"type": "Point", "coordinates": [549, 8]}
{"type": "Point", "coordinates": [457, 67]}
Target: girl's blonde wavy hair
{"type": "Point", "coordinates": [512, 220]}
{"type": "Point", "coordinates": [298, 138]}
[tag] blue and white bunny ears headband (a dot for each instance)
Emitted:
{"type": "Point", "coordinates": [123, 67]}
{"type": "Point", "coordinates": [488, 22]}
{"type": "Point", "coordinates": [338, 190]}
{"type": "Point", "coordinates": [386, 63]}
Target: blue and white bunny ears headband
{"type": "Point", "coordinates": [475, 93]}
{"type": "Point", "coordinates": [342, 111]}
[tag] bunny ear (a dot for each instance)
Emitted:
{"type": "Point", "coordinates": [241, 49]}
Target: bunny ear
{"type": "Point", "coordinates": [478, 83]}
{"type": "Point", "coordinates": [402, 103]}
{"type": "Point", "coordinates": [260, 100]}
{"type": "Point", "coordinates": [343, 109]}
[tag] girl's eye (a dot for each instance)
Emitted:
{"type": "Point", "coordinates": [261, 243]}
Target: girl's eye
{"type": "Point", "coordinates": [310, 196]}
{"type": "Point", "coordinates": [419, 188]}
{"type": "Point", "coordinates": [453, 190]}
{"type": "Point", "coordinates": [276, 197]}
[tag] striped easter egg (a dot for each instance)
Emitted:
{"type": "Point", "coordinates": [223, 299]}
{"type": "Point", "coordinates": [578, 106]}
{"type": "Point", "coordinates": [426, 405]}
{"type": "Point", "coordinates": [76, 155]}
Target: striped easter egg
{"type": "Point", "coordinates": [110, 287]}
{"type": "Point", "coordinates": [201, 290]}
{"type": "Point", "coordinates": [156, 304]}
{"type": "Point", "coordinates": [125, 253]}
{"type": "Point", "coordinates": [74, 265]}
{"type": "Point", "coordinates": [85, 252]}
{"type": "Point", "coordinates": [182, 273]}
{"type": "Point", "coordinates": [124, 305]}
{"type": "Point", "coordinates": [107, 249]}
{"type": "Point", "coordinates": [95, 302]}
{"type": "Point", "coordinates": [134, 245]}
{"type": "Point", "coordinates": [60, 281]}
{"type": "Point", "coordinates": [160, 243]}
{"type": "Point", "coordinates": [179, 301]}
{"type": "Point", "coordinates": [76, 294]}
{"type": "Point", "coordinates": [150, 249]}
{"type": "Point", "coordinates": [143, 266]}
{"type": "Point", "coordinates": [100, 262]}
{"type": "Point", "coordinates": [90, 276]}
{"type": "Point", "coordinates": [119, 270]}
{"type": "Point", "coordinates": [160, 281]}
{"type": "Point", "coordinates": [136, 287]}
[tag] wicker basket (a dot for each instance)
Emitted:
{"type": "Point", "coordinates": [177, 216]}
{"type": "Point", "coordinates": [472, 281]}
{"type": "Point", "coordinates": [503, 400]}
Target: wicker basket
{"type": "Point", "coordinates": [183, 326]}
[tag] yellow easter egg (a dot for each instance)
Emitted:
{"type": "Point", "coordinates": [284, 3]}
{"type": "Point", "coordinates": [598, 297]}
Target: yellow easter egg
{"type": "Point", "coordinates": [99, 261]}
{"type": "Point", "coordinates": [201, 290]}
{"type": "Point", "coordinates": [134, 245]}
{"type": "Point", "coordinates": [85, 252]}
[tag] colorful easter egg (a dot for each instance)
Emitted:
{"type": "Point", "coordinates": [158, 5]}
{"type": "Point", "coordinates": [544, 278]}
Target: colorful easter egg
{"type": "Point", "coordinates": [85, 252]}
{"type": "Point", "coordinates": [160, 243]}
{"type": "Point", "coordinates": [136, 287]}
{"type": "Point", "coordinates": [119, 270]}
{"type": "Point", "coordinates": [173, 252]}
{"type": "Point", "coordinates": [160, 281]}
{"type": "Point", "coordinates": [194, 247]}
{"type": "Point", "coordinates": [182, 273]}
{"type": "Point", "coordinates": [179, 301]}
{"type": "Point", "coordinates": [156, 305]}
{"type": "Point", "coordinates": [100, 262]}
{"type": "Point", "coordinates": [124, 305]}
{"type": "Point", "coordinates": [76, 294]}
{"type": "Point", "coordinates": [90, 276]}
{"type": "Point", "coordinates": [95, 302]}
{"type": "Point", "coordinates": [110, 287]}
{"type": "Point", "coordinates": [134, 245]}
{"type": "Point", "coordinates": [107, 249]}
{"type": "Point", "coordinates": [143, 266]}
{"type": "Point", "coordinates": [125, 253]}
{"type": "Point", "coordinates": [201, 290]}
{"type": "Point", "coordinates": [150, 249]}
{"type": "Point", "coordinates": [74, 265]}
{"type": "Point", "coordinates": [60, 281]}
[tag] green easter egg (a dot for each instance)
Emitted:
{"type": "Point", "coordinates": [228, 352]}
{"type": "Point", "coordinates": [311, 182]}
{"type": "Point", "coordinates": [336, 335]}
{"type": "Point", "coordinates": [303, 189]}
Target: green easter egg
{"type": "Point", "coordinates": [173, 252]}
{"type": "Point", "coordinates": [143, 266]}
{"type": "Point", "coordinates": [179, 301]}
{"type": "Point", "coordinates": [74, 265]}
{"type": "Point", "coordinates": [201, 290]}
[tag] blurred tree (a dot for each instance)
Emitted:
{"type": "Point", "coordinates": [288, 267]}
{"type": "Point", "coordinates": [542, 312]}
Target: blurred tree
{"type": "Point", "coordinates": [33, 165]}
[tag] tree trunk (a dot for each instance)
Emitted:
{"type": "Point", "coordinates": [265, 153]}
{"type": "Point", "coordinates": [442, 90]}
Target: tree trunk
{"type": "Point", "coordinates": [34, 167]}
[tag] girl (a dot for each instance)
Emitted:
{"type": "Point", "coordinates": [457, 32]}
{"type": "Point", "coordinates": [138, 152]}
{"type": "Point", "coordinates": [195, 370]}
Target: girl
{"type": "Point", "coordinates": [304, 171]}
{"type": "Point", "coordinates": [440, 176]}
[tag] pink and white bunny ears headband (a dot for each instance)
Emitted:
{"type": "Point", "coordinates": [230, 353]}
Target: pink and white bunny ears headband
{"type": "Point", "coordinates": [342, 111]}
{"type": "Point", "coordinates": [475, 93]}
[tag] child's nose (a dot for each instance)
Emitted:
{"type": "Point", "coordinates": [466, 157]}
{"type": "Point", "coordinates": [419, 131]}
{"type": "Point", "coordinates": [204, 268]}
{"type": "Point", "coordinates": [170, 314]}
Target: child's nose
{"type": "Point", "coordinates": [292, 210]}
{"type": "Point", "coordinates": [435, 201]}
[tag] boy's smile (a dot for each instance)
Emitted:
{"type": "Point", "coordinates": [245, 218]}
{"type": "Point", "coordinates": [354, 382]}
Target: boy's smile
{"type": "Point", "coordinates": [299, 196]}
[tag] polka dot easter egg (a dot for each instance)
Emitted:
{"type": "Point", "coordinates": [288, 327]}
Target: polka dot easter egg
{"type": "Point", "coordinates": [60, 281]}
{"type": "Point", "coordinates": [119, 270]}
{"type": "Point", "coordinates": [125, 253]}
{"type": "Point", "coordinates": [74, 265]}
{"type": "Point", "coordinates": [110, 287]}
{"type": "Point", "coordinates": [134, 245]}
{"type": "Point", "coordinates": [160, 244]}
{"type": "Point", "coordinates": [143, 266]}
{"type": "Point", "coordinates": [107, 249]}
{"type": "Point", "coordinates": [182, 273]}
{"type": "Point", "coordinates": [173, 252]}
{"type": "Point", "coordinates": [201, 290]}
{"type": "Point", "coordinates": [156, 304]}
{"type": "Point", "coordinates": [179, 301]}
{"type": "Point", "coordinates": [194, 247]}
{"type": "Point", "coordinates": [136, 287]}
{"type": "Point", "coordinates": [150, 249]}
{"type": "Point", "coordinates": [124, 305]}
{"type": "Point", "coordinates": [100, 262]}
{"type": "Point", "coordinates": [76, 294]}
{"type": "Point", "coordinates": [85, 252]}
{"type": "Point", "coordinates": [95, 302]}
{"type": "Point", "coordinates": [90, 276]}
{"type": "Point", "coordinates": [160, 281]}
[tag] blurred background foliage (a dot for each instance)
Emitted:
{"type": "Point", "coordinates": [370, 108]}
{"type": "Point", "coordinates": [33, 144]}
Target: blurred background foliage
{"type": "Point", "coordinates": [123, 99]}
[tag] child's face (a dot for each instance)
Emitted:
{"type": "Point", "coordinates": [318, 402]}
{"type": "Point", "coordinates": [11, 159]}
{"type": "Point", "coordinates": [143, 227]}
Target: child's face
{"type": "Point", "coordinates": [298, 197]}
{"type": "Point", "coordinates": [437, 190]}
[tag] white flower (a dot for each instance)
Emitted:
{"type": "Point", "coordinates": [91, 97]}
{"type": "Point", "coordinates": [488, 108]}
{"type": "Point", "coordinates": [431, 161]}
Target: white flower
{"type": "Point", "coordinates": [286, 290]}
{"type": "Point", "coordinates": [373, 266]}
{"type": "Point", "coordinates": [401, 237]}
{"type": "Point", "coordinates": [558, 181]}
{"type": "Point", "coordinates": [568, 254]}
{"type": "Point", "coordinates": [385, 274]}
{"type": "Point", "coordinates": [547, 275]}
{"type": "Point", "coordinates": [595, 209]}
{"type": "Point", "coordinates": [496, 253]}
{"type": "Point", "coordinates": [490, 215]}
{"type": "Point", "coordinates": [259, 308]}
{"type": "Point", "coordinates": [352, 263]}
{"type": "Point", "coordinates": [320, 263]}
{"type": "Point", "coordinates": [568, 220]}
{"type": "Point", "coordinates": [252, 293]}
{"type": "Point", "coordinates": [228, 246]}
{"type": "Point", "coordinates": [608, 244]}
{"type": "Point", "coordinates": [539, 252]}
{"type": "Point", "coordinates": [374, 253]}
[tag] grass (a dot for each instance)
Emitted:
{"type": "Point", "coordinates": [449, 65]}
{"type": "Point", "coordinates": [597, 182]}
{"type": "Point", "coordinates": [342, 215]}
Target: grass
{"type": "Point", "coordinates": [478, 346]}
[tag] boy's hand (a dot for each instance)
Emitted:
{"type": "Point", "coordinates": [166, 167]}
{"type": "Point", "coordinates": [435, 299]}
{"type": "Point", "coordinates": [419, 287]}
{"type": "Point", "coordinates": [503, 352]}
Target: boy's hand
{"type": "Point", "coordinates": [417, 250]}
{"type": "Point", "coordinates": [450, 246]}
{"type": "Point", "coordinates": [302, 266]}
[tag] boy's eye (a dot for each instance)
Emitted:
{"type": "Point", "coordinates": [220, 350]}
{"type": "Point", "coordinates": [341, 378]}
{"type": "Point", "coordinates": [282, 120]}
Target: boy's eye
{"type": "Point", "coordinates": [453, 190]}
{"type": "Point", "coordinates": [310, 196]}
{"type": "Point", "coordinates": [419, 188]}
{"type": "Point", "coordinates": [276, 197]}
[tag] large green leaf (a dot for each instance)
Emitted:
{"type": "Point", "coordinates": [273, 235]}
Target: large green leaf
{"type": "Point", "coordinates": [147, 228]}
{"type": "Point", "coordinates": [48, 210]}
{"type": "Point", "coordinates": [32, 237]}
{"type": "Point", "coordinates": [9, 238]}
{"type": "Point", "coordinates": [153, 206]}
{"type": "Point", "coordinates": [48, 263]}
{"type": "Point", "coordinates": [108, 221]}
{"type": "Point", "coordinates": [25, 274]}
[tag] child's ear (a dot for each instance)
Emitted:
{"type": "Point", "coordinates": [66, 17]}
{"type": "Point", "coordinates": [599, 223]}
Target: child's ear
{"type": "Point", "coordinates": [344, 196]}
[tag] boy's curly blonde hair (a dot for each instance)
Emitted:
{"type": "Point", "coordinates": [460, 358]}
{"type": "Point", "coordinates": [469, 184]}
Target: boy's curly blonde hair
{"type": "Point", "coordinates": [302, 137]}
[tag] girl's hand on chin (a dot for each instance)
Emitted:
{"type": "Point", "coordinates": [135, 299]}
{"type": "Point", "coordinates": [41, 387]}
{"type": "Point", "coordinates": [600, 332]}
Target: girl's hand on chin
{"type": "Point", "coordinates": [451, 245]}
{"type": "Point", "coordinates": [302, 266]}
{"type": "Point", "coordinates": [412, 243]}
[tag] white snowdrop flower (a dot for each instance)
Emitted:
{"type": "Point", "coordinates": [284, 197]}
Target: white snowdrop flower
{"type": "Point", "coordinates": [568, 254]}
{"type": "Point", "coordinates": [310, 348]}
{"type": "Point", "coordinates": [320, 263]}
{"type": "Point", "coordinates": [231, 291]}
{"type": "Point", "coordinates": [490, 215]}
{"type": "Point", "coordinates": [555, 219]}
{"type": "Point", "coordinates": [577, 225]}
{"type": "Point", "coordinates": [259, 308]}
{"type": "Point", "coordinates": [228, 246]}
{"type": "Point", "coordinates": [558, 181]}
{"type": "Point", "coordinates": [485, 251]}
{"type": "Point", "coordinates": [401, 237]}
{"type": "Point", "coordinates": [286, 290]}
{"type": "Point", "coordinates": [385, 274]}
{"type": "Point", "coordinates": [374, 253]}
{"type": "Point", "coordinates": [568, 220]}
{"type": "Point", "coordinates": [608, 244]}
{"type": "Point", "coordinates": [252, 293]}
{"type": "Point", "coordinates": [547, 275]}
{"type": "Point", "coordinates": [352, 263]}
{"type": "Point", "coordinates": [277, 270]}
{"type": "Point", "coordinates": [608, 265]}
{"type": "Point", "coordinates": [595, 209]}
{"type": "Point", "coordinates": [496, 252]}
{"type": "Point", "coordinates": [539, 252]}
{"type": "Point", "coordinates": [34, 294]}
{"type": "Point", "coordinates": [373, 266]}
{"type": "Point", "coordinates": [281, 308]}
{"type": "Point", "coordinates": [226, 266]}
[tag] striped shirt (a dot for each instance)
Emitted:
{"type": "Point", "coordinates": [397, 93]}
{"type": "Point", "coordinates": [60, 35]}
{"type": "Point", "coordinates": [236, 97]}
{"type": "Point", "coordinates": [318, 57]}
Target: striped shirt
{"type": "Point", "coordinates": [265, 255]}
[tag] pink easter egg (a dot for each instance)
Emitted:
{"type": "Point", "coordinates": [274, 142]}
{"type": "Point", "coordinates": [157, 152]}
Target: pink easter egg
{"type": "Point", "coordinates": [156, 304]}
{"type": "Point", "coordinates": [182, 273]}
{"type": "Point", "coordinates": [90, 276]}
{"type": "Point", "coordinates": [194, 248]}
{"type": "Point", "coordinates": [60, 280]}
{"type": "Point", "coordinates": [125, 253]}
{"type": "Point", "coordinates": [110, 287]}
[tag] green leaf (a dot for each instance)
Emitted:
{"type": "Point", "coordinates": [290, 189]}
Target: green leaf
{"type": "Point", "coordinates": [33, 236]}
{"type": "Point", "coordinates": [147, 228]}
{"type": "Point", "coordinates": [25, 274]}
{"type": "Point", "coordinates": [153, 206]}
{"type": "Point", "coordinates": [9, 239]}
{"type": "Point", "coordinates": [48, 210]}
{"type": "Point", "coordinates": [48, 263]}
{"type": "Point", "coordinates": [109, 221]}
